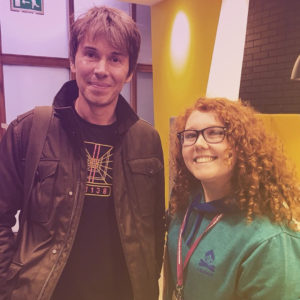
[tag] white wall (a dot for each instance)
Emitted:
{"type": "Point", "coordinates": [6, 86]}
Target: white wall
{"type": "Point", "coordinates": [80, 6]}
{"type": "Point", "coordinates": [26, 87]}
{"type": "Point", "coordinates": [34, 34]}
{"type": "Point", "coordinates": [37, 35]}
{"type": "Point", "coordinates": [143, 20]}
{"type": "Point", "coordinates": [145, 96]}
{"type": "Point", "coordinates": [145, 107]}
{"type": "Point", "coordinates": [226, 66]}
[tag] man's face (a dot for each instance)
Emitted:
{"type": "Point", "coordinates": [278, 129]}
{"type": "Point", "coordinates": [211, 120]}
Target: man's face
{"type": "Point", "coordinates": [101, 71]}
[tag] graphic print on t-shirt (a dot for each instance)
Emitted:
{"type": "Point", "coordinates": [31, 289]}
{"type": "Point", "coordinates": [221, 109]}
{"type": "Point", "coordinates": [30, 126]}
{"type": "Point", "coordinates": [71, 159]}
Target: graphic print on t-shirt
{"type": "Point", "coordinates": [99, 163]}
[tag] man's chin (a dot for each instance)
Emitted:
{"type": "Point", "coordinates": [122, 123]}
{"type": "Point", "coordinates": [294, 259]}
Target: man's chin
{"type": "Point", "coordinates": [99, 101]}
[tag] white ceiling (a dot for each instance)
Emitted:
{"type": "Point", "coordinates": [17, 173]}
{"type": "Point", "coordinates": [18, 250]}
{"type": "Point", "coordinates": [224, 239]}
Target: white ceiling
{"type": "Point", "coordinates": [143, 2]}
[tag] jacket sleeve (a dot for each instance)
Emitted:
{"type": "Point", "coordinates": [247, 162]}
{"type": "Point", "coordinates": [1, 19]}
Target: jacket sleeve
{"type": "Point", "coordinates": [272, 270]}
{"type": "Point", "coordinates": [168, 284]}
{"type": "Point", "coordinates": [160, 225]}
{"type": "Point", "coordinates": [11, 192]}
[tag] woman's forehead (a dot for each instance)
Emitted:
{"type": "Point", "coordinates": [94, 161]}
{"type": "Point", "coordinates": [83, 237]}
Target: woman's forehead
{"type": "Point", "coordinates": [203, 119]}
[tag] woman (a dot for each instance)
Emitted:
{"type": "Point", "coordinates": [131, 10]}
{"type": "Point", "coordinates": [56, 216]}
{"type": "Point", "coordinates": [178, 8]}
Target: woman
{"type": "Point", "coordinates": [234, 232]}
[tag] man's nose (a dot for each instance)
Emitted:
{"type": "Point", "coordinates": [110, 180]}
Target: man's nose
{"type": "Point", "coordinates": [101, 67]}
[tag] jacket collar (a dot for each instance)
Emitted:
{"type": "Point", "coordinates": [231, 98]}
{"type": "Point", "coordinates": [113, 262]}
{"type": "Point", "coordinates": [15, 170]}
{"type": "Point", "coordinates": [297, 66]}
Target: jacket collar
{"type": "Point", "coordinates": [67, 95]}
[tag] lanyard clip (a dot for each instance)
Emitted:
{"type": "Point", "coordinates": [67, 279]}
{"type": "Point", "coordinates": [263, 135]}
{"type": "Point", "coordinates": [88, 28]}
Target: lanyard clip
{"type": "Point", "coordinates": [179, 292]}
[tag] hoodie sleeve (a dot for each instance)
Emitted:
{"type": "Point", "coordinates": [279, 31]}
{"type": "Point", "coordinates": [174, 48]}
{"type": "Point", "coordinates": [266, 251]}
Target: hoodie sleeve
{"type": "Point", "coordinates": [272, 270]}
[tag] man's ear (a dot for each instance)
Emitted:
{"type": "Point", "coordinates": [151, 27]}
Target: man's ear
{"type": "Point", "coordinates": [129, 77]}
{"type": "Point", "coordinates": [72, 67]}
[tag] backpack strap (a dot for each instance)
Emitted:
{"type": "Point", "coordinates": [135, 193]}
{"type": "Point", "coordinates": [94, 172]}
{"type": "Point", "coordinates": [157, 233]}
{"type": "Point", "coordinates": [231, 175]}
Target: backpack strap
{"type": "Point", "coordinates": [42, 116]}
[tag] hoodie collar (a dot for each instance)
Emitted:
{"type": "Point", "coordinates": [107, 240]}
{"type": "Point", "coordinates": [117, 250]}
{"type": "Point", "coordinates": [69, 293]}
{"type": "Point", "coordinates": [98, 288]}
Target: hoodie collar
{"type": "Point", "coordinates": [223, 205]}
{"type": "Point", "coordinates": [199, 208]}
{"type": "Point", "coordinates": [67, 95]}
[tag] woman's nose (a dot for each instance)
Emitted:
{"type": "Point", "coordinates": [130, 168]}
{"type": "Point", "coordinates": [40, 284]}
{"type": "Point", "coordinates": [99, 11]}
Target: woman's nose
{"type": "Point", "coordinates": [201, 142]}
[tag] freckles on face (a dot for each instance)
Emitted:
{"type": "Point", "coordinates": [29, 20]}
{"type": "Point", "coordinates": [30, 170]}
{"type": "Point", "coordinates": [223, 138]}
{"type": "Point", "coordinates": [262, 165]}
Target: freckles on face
{"type": "Point", "coordinates": [208, 162]}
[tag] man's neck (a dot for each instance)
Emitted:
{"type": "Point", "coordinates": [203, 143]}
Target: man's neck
{"type": "Point", "coordinates": [96, 114]}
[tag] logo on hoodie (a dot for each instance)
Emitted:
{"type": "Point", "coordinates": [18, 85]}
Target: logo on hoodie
{"type": "Point", "coordinates": [206, 265]}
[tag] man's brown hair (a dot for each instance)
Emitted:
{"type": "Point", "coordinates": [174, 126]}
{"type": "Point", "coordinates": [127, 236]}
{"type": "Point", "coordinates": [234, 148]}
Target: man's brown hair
{"type": "Point", "coordinates": [115, 25]}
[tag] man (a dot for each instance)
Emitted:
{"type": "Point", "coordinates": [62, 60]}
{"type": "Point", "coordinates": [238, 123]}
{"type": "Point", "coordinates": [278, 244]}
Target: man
{"type": "Point", "coordinates": [94, 226]}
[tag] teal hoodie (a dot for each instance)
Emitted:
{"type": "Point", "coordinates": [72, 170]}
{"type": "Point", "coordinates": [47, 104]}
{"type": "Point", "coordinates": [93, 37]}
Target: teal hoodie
{"type": "Point", "coordinates": [237, 260]}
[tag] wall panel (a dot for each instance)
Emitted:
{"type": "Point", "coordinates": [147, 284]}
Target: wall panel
{"type": "Point", "coordinates": [27, 87]}
{"type": "Point", "coordinates": [34, 34]}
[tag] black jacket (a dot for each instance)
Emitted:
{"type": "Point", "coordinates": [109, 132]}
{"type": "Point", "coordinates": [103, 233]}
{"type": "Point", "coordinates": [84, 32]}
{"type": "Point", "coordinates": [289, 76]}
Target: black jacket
{"type": "Point", "coordinates": [30, 267]}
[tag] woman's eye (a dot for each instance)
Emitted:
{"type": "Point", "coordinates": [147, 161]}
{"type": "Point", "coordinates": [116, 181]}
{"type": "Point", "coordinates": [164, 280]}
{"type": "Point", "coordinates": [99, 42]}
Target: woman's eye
{"type": "Point", "coordinates": [190, 135]}
{"type": "Point", "coordinates": [214, 132]}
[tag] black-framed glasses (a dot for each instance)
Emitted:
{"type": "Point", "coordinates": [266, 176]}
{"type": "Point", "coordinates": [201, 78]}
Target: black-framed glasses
{"type": "Point", "coordinates": [212, 135]}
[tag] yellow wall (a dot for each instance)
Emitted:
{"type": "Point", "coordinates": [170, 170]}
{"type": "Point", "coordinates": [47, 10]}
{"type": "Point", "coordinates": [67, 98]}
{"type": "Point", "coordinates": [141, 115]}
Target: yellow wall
{"type": "Point", "coordinates": [286, 126]}
{"type": "Point", "coordinates": [174, 88]}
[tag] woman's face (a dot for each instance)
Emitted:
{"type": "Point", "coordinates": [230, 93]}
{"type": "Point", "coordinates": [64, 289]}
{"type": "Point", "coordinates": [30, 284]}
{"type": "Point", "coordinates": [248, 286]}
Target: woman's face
{"type": "Point", "coordinates": [208, 162]}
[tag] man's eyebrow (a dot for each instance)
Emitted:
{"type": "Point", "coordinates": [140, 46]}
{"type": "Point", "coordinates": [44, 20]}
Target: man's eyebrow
{"type": "Point", "coordinates": [89, 48]}
{"type": "Point", "coordinates": [118, 53]}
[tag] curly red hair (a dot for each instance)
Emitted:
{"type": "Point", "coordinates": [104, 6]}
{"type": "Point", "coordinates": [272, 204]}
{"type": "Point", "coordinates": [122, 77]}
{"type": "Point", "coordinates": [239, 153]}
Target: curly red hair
{"type": "Point", "coordinates": [263, 181]}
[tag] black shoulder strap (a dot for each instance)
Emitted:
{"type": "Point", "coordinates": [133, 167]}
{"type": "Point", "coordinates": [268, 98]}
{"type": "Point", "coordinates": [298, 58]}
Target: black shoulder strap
{"type": "Point", "coordinates": [40, 124]}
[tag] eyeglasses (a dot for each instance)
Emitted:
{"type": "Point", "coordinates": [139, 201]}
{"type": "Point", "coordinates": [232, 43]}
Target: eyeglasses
{"type": "Point", "coordinates": [212, 135]}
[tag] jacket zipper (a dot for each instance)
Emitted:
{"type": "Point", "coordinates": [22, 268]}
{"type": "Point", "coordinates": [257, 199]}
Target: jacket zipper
{"type": "Point", "coordinates": [63, 247]}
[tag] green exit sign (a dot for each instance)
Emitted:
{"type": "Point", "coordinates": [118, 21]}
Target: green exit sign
{"type": "Point", "coordinates": [33, 6]}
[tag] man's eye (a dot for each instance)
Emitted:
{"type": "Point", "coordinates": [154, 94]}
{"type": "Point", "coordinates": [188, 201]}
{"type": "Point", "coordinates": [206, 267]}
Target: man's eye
{"type": "Point", "coordinates": [115, 59]}
{"type": "Point", "coordinates": [90, 54]}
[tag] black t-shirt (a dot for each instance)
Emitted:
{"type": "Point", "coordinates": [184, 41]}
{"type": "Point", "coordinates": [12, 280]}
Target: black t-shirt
{"type": "Point", "coordinates": [96, 268]}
